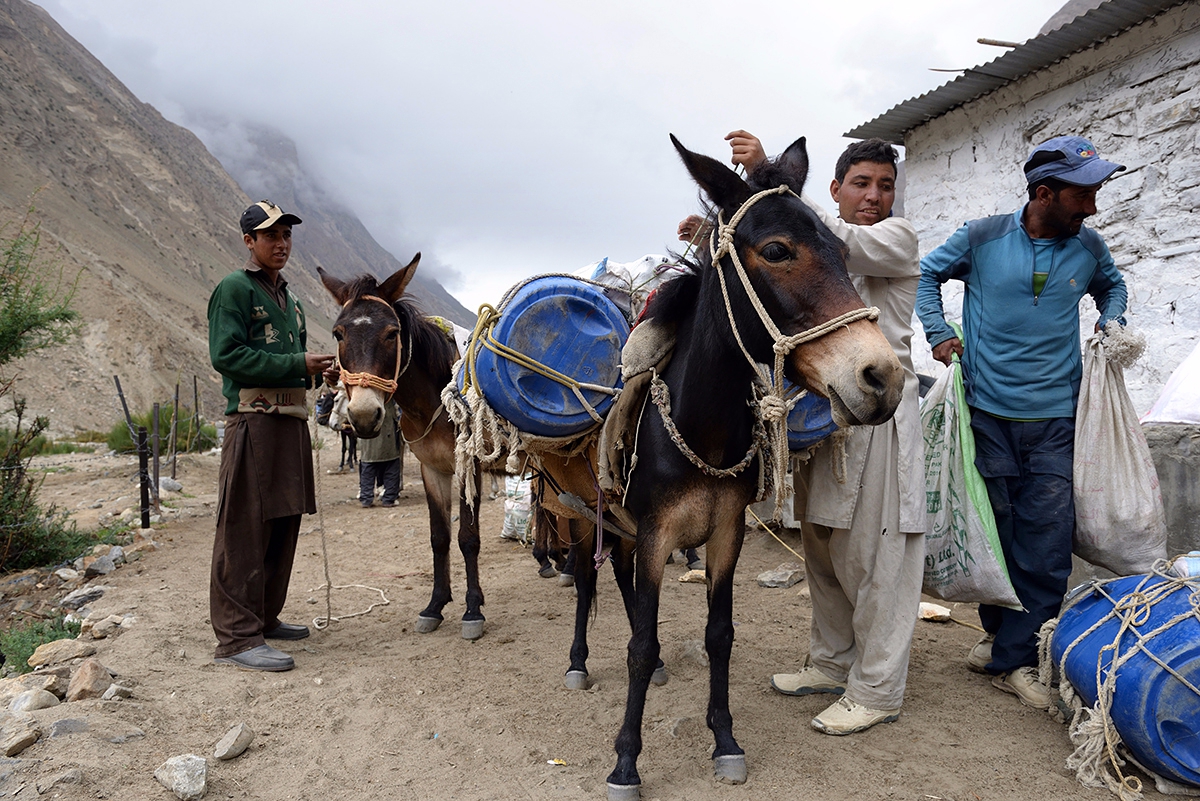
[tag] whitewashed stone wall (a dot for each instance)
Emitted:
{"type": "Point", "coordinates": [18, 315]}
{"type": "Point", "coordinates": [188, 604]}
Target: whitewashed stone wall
{"type": "Point", "coordinates": [1137, 96]}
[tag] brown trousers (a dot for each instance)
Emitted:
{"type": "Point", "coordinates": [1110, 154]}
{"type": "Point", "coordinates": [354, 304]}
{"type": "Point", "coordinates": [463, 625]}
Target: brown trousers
{"type": "Point", "coordinates": [266, 484]}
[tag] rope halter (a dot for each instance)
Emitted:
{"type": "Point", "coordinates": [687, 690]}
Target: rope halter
{"type": "Point", "coordinates": [773, 406]}
{"type": "Point", "coordinates": [385, 385]}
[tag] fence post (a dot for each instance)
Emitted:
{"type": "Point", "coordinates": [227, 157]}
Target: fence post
{"type": "Point", "coordinates": [124, 406]}
{"type": "Point", "coordinates": [154, 486]}
{"type": "Point", "coordinates": [175, 433]}
{"type": "Point", "coordinates": [143, 458]}
{"type": "Point", "coordinates": [196, 409]}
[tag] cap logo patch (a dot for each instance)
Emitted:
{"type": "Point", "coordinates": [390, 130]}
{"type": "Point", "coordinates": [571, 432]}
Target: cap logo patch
{"type": "Point", "coordinates": [1086, 152]}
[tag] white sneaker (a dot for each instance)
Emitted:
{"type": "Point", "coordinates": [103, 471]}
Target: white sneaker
{"type": "Point", "coordinates": [846, 717]}
{"type": "Point", "coordinates": [1024, 683]}
{"type": "Point", "coordinates": [981, 654]}
{"type": "Point", "coordinates": [809, 680]}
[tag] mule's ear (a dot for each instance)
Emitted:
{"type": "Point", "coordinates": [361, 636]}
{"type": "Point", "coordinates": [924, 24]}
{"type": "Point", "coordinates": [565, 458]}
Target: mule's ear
{"type": "Point", "coordinates": [722, 185]}
{"type": "Point", "coordinates": [393, 288]}
{"type": "Point", "coordinates": [336, 286]}
{"type": "Point", "coordinates": [794, 164]}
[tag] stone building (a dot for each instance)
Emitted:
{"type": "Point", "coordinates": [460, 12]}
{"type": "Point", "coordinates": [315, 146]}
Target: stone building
{"type": "Point", "coordinates": [1126, 74]}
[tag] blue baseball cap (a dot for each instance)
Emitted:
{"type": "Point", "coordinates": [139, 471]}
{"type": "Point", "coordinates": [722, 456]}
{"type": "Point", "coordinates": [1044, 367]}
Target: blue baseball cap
{"type": "Point", "coordinates": [1070, 159]}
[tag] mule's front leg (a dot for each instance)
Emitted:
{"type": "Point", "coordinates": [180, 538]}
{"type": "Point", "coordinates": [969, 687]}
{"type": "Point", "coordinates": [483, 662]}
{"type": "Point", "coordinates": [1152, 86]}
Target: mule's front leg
{"type": "Point", "coordinates": [437, 497]}
{"type": "Point", "coordinates": [729, 760]}
{"type": "Point", "coordinates": [468, 543]}
{"type": "Point", "coordinates": [624, 783]}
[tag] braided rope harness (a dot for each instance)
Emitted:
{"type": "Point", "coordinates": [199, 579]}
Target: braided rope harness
{"type": "Point", "coordinates": [1092, 731]}
{"type": "Point", "coordinates": [771, 405]}
{"type": "Point", "coordinates": [387, 386]}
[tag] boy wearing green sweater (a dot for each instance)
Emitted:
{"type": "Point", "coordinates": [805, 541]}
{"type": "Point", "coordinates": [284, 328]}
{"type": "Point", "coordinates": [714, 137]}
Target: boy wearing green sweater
{"type": "Point", "coordinates": [256, 341]}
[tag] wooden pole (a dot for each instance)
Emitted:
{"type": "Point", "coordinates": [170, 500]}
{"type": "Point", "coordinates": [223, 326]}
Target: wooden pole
{"type": "Point", "coordinates": [154, 487]}
{"type": "Point", "coordinates": [143, 458]}
{"type": "Point", "coordinates": [196, 409]}
{"type": "Point", "coordinates": [125, 406]}
{"type": "Point", "coordinates": [175, 433]}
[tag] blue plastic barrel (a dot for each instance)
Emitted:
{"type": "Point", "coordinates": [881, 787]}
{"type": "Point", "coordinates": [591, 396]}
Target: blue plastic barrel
{"type": "Point", "coordinates": [810, 421]}
{"type": "Point", "coordinates": [569, 326]}
{"type": "Point", "coordinates": [1157, 716]}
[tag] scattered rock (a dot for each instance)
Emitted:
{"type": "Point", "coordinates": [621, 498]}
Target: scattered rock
{"type": "Point", "coordinates": [236, 741]}
{"type": "Point", "coordinates": [100, 629]}
{"type": "Point", "coordinates": [101, 549]}
{"type": "Point", "coordinates": [116, 692]}
{"type": "Point", "coordinates": [64, 726]}
{"type": "Point", "coordinates": [33, 699]}
{"type": "Point", "coordinates": [58, 651]}
{"type": "Point", "coordinates": [694, 577]}
{"type": "Point", "coordinates": [18, 733]}
{"type": "Point", "coordinates": [20, 583]}
{"type": "Point", "coordinates": [693, 651]}
{"type": "Point", "coordinates": [781, 577]}
{"type": "Point", "coordinates": [168, 484]}
{"type": "Point", "coordinates": [91, 679]}
{"type": "Point", "coordinates": [934, 612]}
{"type": "Point", "coordinates": [67, 574]}
{"type": "Point", "coordinates": [184, 775]}
{"type": "Point", "coordinates": [83, 595]}
{"type": "Point", "coordinates": [117, 554]}
{"type": "Point", "coordinates": [72, 776]}
{"type": "Point", "coordinates": [101, 567]}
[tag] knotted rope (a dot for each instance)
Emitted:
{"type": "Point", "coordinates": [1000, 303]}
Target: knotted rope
{"type": "Point", "coordinates": [1092, 732]}
{"type": "Point", "coordinates": [772, 404]}
{"type": "Point", "coordinates": [370, 379]}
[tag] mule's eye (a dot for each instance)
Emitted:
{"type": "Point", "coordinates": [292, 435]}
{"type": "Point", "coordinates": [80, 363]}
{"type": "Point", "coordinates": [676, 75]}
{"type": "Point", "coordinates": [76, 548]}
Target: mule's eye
{"type": "Point", "coordinates": [774, 251]}
{"type": "Point", "coordinates": [337, 334]}
{"type": "Point", "coordinates": [391, 334]}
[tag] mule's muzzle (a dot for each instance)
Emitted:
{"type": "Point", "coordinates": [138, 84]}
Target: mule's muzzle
{"type": "Point", "coordinates": [879, 385]}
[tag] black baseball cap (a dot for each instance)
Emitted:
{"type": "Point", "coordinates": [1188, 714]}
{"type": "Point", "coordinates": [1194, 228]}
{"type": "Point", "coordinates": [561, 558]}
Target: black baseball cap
{"type": "Point", "coordinates": [264, 214]}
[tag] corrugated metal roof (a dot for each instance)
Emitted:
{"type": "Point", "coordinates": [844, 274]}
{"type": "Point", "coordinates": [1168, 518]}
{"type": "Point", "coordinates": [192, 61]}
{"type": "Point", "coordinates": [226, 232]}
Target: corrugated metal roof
{"type": "Point", "coordinates": [1107, 19]}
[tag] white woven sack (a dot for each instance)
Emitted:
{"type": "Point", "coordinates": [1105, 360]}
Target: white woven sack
{"type": "Point", "coordinates": [963, 558]}
{"type": "Point", "coordinates": [1119, 520]}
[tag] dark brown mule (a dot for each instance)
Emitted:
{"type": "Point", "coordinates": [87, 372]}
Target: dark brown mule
{"type": "Point", "coordinates": [386, 347]}
{"type": "Point", "coordinates": [796, 269]}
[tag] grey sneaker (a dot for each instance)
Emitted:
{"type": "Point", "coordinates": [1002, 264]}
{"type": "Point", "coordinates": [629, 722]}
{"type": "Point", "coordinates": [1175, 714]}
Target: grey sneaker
{"type": "Point", "coordinates": [809, 680]}
{"type": "Point", "coordinates": [981, 654]}
{"type": "Point", "coordinates": [264, 657]}
{"type": "Point", "coordinates": [1024, 683]}
{"type": "Point", "coordinates": [846, 717]}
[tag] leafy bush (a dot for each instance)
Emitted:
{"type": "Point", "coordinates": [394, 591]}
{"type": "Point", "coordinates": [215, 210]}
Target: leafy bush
{"type": "Point", "coordinates": [189, 439]}
{"type": "Point", "coordinates": [41, 445]}
{"type": "Point", "coordinates": [18, 643]}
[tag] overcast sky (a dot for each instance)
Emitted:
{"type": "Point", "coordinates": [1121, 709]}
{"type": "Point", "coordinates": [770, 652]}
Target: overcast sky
{"type": "Point", "coordinates": [508, 139]}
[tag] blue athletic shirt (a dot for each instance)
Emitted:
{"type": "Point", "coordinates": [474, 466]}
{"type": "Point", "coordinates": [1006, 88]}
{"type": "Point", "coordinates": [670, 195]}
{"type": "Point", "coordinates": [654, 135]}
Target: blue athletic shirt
{"type": "Point", "coordinates": [1021, 351]}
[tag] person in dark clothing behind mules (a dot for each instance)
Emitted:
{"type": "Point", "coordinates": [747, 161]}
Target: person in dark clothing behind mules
{"type": "Point", "coordinates": [380, 461]}
{"type": "Point", "coordinates": [256, 341]}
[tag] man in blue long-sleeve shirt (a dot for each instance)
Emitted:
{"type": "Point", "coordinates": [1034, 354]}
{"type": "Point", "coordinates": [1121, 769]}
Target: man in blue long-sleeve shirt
{"type": "Point", "coordinates": [1024, 275]}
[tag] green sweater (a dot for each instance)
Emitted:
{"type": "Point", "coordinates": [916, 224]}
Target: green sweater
{"type": "Point", "coordinates": [253, 343]}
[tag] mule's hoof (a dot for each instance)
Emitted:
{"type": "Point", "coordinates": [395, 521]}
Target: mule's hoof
{"type": "Point", "coordinates": [472, 629]}
{"type": "Point", "coordinates": [549, 571]}
{"type": "Point", "coordinates": [659, 677]}
{"type": "Point", "coordinates": [576, 680]}
{"type": "Point", "coordinates": [730, 769]}
{"type": "Point", "coordinates": [426, 624]}
{"type": "Point", "coordinates": [566, 579]}
{"type": "Point", "coordinates": [624, 792]}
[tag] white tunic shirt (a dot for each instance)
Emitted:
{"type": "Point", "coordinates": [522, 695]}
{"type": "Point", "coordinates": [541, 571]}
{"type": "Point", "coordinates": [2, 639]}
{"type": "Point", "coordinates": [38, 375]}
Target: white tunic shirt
{"type": "Point", "coordinates": [885, 268]}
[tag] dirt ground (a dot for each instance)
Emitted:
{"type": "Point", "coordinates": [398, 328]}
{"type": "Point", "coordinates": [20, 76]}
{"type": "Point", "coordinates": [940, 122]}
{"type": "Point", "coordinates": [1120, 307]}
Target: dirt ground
{"type": "Point", "coordinates": [374, 710]}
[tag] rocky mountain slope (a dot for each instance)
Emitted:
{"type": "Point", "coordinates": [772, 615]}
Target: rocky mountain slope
{"type": "Point", "coordinates": [139, 209]}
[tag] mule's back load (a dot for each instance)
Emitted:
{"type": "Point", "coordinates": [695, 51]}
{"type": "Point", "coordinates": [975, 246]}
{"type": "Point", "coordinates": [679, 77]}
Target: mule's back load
{"type": "Point", "coordinates": [549, 360]}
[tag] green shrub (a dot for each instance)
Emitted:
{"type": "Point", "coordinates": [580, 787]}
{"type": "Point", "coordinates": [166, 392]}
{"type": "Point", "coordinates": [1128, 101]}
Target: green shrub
{"type": "Point", "coordinates": [189, 439]}
{"type": "Point", "coordinates": [41, 445]}
{"type": "Point", "coordinates": [18, 643]}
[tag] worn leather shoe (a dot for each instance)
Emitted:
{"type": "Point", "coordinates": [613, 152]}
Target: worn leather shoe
{"type": "Point", "coordinates": [1024, 683]}
{"type": "Point", "coordinates": [809, 680]}
{"type": "Point", "coordinates": [846, 717]}
{"type": "Point", "coordinates": [981, 654]}
{"type": "Point", "coordinates": [264, 657]}
{"type": "Point", "coordinates": [287, 631]}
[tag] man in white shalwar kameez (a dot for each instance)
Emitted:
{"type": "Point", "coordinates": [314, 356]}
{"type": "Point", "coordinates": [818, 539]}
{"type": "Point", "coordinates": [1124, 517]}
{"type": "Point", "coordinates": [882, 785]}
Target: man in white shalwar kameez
{"type": "Point", "coordinates": [863, 508]}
